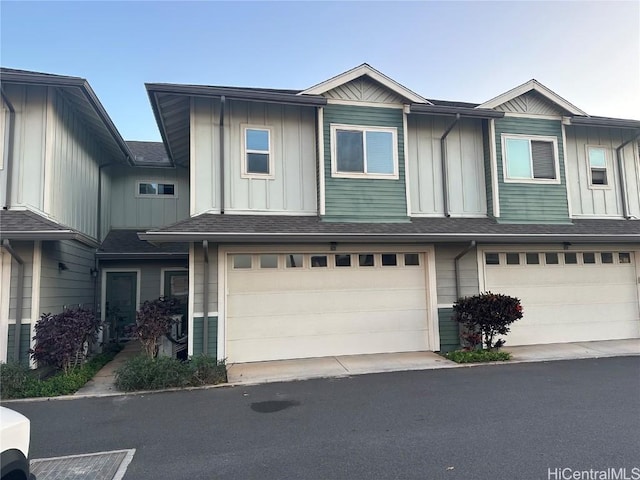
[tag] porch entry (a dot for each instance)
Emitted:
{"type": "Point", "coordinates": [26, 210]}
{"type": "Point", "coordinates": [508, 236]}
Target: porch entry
{"type": "Point", "coordinates": [120, 303]}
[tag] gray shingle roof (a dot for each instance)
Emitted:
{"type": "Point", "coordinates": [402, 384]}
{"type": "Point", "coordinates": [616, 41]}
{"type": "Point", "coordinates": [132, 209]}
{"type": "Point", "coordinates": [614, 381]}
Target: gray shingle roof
{"type": "Point", "coordinates": [27, 225]}
{"type": "Point", "coordinates": [149, 154]}
{"type": "Point", "coordinates": [125, 243]}
{"type": "Point", "coordinates": [297, 228]}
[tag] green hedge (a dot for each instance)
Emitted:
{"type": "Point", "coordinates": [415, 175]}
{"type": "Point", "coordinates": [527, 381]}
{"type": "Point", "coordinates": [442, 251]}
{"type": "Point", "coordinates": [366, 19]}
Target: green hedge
{"type": "Point", "coordinates": [476, 356]}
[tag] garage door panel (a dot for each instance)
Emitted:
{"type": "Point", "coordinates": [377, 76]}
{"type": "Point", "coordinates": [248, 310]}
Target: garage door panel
{"type": "Point", "coordinates": [321, 346]}
{"type": "Point", "coordinates": [322, 324]}
{"type": "Point", "coordinates": [569, 303]}
{"type": "Point", "coordinates": [279, 313]}
{"type": "Point", "coordinates": [288, 303]}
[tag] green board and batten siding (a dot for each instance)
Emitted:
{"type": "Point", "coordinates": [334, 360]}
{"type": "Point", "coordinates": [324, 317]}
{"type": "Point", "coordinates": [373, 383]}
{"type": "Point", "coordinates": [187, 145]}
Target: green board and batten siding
{"type": "Point", "coordinates": [525, 202]}
{"type": "Point", "coordinates": [25, 342]}
{"type": "Point", "coordinates": [197, 334]}
{"type": "Point", "coordinates": [348, 199]}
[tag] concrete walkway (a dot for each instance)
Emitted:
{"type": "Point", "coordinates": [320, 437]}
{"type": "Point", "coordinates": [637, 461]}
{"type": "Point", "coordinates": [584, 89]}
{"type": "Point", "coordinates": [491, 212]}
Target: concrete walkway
{"type": "Point", "coordinates": [103, 382]}
{"type": "Point", "coordinates": [342, 366]}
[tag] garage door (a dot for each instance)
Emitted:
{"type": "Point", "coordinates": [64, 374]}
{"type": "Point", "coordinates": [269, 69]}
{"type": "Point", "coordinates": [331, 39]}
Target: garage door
{"type": "Point", "coordinates": [567, 296]}
{"type": "Point", "coordinates": [301, 305]}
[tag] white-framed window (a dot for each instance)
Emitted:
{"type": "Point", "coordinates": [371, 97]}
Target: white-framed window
{"type": "Point", "coordinates": [598, 172]}
{"type": "Point", "coordinates": [358, 151]}
{"type": "Point", "coordinates": [257, 152]}
{"type": "Point", "coordinates": [156, 189]}
{"type": "Point", "coordinates": [530, 159]}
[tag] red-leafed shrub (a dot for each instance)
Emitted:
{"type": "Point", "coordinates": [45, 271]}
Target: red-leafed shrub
{"type": "Point", "coordinates": [491, 314]}
{"type": "Point", "coordinates": [62, 340]}
{"type": "Point", "coordinates": [153, 320]}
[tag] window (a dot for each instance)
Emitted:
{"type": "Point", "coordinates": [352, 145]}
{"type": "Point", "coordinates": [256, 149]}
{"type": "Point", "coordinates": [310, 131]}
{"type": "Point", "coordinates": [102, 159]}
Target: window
{"type": "Point", "coordinates": [364, 151]}
{"type": "Point", "coordinates": [570, 258]}
{"type": "Point", "coordinates": [411, 259]}
{"type": "Point", "coordinates": [389, 259]}
{"type": "Point", "coordinates": [551, 258]}
{"type": "Point", "coordinates": [532, 258]}
{"type": "Point", "coordinates": [343, 260]}
{"type": "Point", "coordinates": [532, 159]}
{"type": "Point", "coordinates": [242, 261]}
{"type": "Point", "coordinates": [597, 157]}
{"type": "Point", "coordinates": [365, 260]}
{"type": "Point", "coordinates": [513, 259]}
{"type": "Point", "coordinates": [156, 189]}
{"type": "Point", "coordinates": [624, 257]}
{"type": "Point", "coordinates": [606, 257]}
{"type": "Point", "coordinates": [319, 261]}
{"type": "Point", "coordinates": [589, 257]}
{"type": "Point", "coordinates": [257, 154]}
{"type": "Point", "coordinates": [268, 261]}
{"type": "Point", "coordinates": [492, 258]}
{"type": "Point", "coordinates": [295, 260]}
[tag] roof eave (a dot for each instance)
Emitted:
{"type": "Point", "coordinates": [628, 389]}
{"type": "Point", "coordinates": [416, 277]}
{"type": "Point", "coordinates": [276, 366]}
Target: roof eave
{"type": "Point", "coordinates": [44, 235]}
{"type": "Point", "coordinates": [463, 111]}
{"type": "Point", "coordinates": [605, 122]}
{"type": "Point", "coordinates": [142, 255]}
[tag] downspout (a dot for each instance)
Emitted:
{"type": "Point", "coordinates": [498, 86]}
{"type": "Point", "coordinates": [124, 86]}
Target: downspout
{"type": "Point", "coordinates": [222, 103]}
{"type": "Point", "coordinates": [9, 168]}
{"type": "Point", "coordinates": [205, 299]}
{"type": "Point", "coordinates": [622, 177]}
{"type": "Point", "coordinates": [456, 262]}
{"type": "Point", "coordinates": [19, 293]}
{"type": "Point", "coordinates": [443, 158]}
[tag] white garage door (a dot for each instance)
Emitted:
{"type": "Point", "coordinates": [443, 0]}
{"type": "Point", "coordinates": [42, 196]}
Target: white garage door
{"type": "Point", "coordinates": [567, 296]}
{"type": "Point", "coordinates": [283, 306]}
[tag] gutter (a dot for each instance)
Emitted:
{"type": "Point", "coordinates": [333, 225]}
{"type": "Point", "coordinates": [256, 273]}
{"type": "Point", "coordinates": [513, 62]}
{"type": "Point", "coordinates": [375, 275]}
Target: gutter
{"type": "Point", "coordinates": [20, 291]}
{"type": "Point", "coordinates": [463, 111]}
{"type": "Point", "coordinates": [221, 142]}
{"type": "Point", "coordinates": [9, 151]}
{"type": "Point", "coordinates": [205, 299]}
{"type": "Point", "coordinates": [50, 235]}
{"type": "Point", "coordinates": [443, 162]}
{"type": "Point", "coordinates": [622, 177]}
{"type": "Point", "coordinates": [456, 262]}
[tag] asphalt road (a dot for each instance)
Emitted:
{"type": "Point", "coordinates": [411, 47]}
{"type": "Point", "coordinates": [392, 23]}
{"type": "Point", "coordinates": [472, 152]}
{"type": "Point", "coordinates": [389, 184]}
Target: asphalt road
{"type": "Point", "coordinates": [490, 422]}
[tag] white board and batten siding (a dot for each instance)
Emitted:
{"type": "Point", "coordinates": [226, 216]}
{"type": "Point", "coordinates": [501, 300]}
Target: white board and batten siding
{"type": "Point", "coordinates": [303, 312]}
{"type": "Point", "coordinates": [595, 298]}
{"type": "Point", "coordinates": [465, 166]}
{"type": "Point", "coordinates": [292, 190]}
{"type": "Point", "coordinates": [601, 201]}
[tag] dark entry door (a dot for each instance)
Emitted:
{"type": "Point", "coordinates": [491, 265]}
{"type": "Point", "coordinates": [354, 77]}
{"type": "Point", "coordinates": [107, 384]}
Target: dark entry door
{"type": "Point", "coordinates": [121, 301]}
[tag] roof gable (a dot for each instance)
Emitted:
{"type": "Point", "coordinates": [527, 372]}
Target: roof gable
{"type": "Point", "coordinates": [364, 89]}
{"type": "Point", "coordinates": [339, 85]}
{"type": "Point", "coordinates": [533, 97]}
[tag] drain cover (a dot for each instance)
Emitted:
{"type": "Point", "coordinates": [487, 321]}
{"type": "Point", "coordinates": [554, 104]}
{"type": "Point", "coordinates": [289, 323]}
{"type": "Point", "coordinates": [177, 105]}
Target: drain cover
{"type": "Point", "coordinates": [90, 466]}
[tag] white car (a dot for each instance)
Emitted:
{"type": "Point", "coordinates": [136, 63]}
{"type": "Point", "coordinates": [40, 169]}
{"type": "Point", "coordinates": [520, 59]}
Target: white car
{"type": "Point", "coordinates": [15, 434]}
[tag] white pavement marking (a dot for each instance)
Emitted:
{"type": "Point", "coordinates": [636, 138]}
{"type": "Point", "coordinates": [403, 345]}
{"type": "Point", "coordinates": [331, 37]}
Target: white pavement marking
{"type": "Point", "coordinates": [110, 465]}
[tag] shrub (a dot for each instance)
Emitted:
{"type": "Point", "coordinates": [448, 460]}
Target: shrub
{"type": "Point", "coordinates": [489, 313]}
{"type": "Point", "coordinates": [19, 381]}
{"type": "Point", "coordinates": [62, 340]}
{"type": "Point", "coordinates": [474, 356]}
{"type": "Point", "coordinates": [153, 320]}
{"type": "Point", "coordinates": [145, 373]}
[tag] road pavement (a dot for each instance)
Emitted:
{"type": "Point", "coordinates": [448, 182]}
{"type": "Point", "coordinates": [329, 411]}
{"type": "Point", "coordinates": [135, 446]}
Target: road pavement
{"type": "Point", "coordinates": [518, 421]}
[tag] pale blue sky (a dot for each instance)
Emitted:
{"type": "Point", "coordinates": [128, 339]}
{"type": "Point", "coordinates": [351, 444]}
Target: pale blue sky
{"type": "Point", "coordinates": [587, 52]}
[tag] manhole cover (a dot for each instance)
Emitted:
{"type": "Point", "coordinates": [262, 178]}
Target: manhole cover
{"type": "Point", "coordinates": [271, 406]}
{"type": "Point", "coordinates": [89, 466]}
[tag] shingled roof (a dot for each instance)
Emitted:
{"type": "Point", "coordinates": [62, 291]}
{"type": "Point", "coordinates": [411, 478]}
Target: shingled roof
{"type": "Point", "coordinates": [27, 225]}
{"type": "Point", "coordinates": [149, 154]}
{"type": "Point", "coordinates": [126, 244]}
{"type": "Point", "coordinates": [248, 228]}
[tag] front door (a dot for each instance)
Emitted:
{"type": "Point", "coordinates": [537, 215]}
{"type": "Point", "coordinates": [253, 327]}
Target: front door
{"type": "Point", "coordinates": [121, 302]}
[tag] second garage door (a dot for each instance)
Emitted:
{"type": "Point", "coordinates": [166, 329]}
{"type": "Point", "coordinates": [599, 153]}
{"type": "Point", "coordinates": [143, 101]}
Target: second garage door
{"type": "Point", "coordinates": [567, 296]}
{"type": "Point", "coordinates": [282, 306]}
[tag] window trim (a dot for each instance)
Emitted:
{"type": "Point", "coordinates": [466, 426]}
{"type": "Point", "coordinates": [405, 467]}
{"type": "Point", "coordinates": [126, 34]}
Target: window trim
{"type": "Point", "coordinates": [335, 173]}
{"type": "Point", "coordinates": [607, 170]}
{"type": "Point", "coordinates": [156, 195]}
{"type": "Point", "coordinates": [530, 138]}
{"type": "Point", "coordinates": [244, 151]}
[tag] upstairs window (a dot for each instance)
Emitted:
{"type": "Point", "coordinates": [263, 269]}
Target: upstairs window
{"type": "Point", "coordinates": [530, 159]}
{"type": "Point", "coordinates": [257, 153]}
{"type": "Point", "coordinates": [370, 152]}
{"type": "Point", "coordinates": [597, 157]}
{"type": "Point", "coordinates": [152, 189]}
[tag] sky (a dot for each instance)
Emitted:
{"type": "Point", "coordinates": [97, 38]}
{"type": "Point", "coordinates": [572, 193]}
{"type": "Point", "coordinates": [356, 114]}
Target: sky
{"type": "Point", "coordinates": [587, 52]}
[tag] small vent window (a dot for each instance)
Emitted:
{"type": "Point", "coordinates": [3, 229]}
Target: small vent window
{"type": "Point", "coordinates": [598, 166]}
{"type": "Point", "coordinates": [153, 189]}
